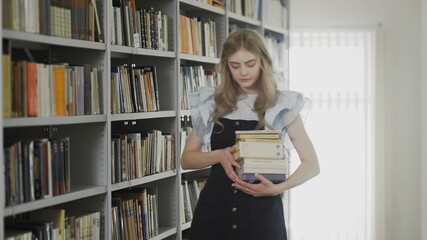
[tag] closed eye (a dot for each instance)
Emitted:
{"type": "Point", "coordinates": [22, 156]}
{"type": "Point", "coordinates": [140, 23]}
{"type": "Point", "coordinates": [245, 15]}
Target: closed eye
{"type": "Point", "coordinates": [235, 65]}
{"type": "Point", "coordinates": [250, 63]}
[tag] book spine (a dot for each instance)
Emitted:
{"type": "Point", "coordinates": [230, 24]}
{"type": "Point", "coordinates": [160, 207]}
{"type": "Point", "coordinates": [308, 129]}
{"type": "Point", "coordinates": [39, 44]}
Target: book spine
{"type": "Point", "coordinates": [250, 177]}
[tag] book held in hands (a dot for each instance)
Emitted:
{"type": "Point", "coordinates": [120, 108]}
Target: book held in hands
{"type": "Point", "coordinates": [262, 152]}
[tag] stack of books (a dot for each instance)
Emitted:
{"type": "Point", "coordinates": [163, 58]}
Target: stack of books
{"type": "Point", "coordinates": [263, 152]}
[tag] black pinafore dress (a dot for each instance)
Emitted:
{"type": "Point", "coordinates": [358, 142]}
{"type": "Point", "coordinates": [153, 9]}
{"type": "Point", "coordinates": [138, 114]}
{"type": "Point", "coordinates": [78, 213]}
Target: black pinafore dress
{"type": "Point", "coordinates": [224, 213]}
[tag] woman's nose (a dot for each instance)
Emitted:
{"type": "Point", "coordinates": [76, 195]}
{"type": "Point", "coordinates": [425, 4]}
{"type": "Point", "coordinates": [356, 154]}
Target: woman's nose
{"type": "Point", "coordinates": [243, 70]}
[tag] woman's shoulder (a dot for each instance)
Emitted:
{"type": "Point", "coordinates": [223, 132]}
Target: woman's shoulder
{"type": "Point", "coordinates": [289, 100]}
{"type": "Point", "coordinates": [203, 95]}
{"type": "Point", "coordinates": [288, 97]}
{"type": "Point", "coordinates": [288, 106]}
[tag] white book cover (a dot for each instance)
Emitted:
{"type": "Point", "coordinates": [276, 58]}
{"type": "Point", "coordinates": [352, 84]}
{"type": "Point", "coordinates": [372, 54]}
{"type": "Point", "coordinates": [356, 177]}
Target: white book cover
{"type": "Point", "coordinates": [119, 27]}
{"type": "Point", "coordinates": [181, 203]}
{"type": "Point", "coordinates": [259, 149]}
{"type": "Point", "coordinates": [96, 225]}
{"type": "Point", "coordinates": [165, 33]}
{"type": "Point", "coordinates": [263, 162]}
{"type": "Point", "coordinates": [259, 134]}
{"type": "Point", "coordinates": [260, 171]}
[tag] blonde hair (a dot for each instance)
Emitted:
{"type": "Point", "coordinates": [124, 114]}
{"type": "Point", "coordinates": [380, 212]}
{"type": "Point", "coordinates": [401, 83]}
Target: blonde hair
{"type": "Point", "coordinates": [227, 92]}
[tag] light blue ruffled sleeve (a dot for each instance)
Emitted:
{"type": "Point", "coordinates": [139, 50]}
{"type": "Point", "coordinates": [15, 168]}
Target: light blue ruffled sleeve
{"type": "Point", "coordinates": [202, 105]}
{"type": "Point", "coordinates": [289, 105]}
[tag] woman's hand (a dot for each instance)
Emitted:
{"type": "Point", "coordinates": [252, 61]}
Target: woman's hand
{"type": "Point", "coordinates": [226, 159]}
{"type": "Point", "coordinates": [264, 188]}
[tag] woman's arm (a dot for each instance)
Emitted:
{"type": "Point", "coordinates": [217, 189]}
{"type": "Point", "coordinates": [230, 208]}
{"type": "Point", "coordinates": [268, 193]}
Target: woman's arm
{"type": "Point", "coordinates": [193, 157]}
{"type": "Point", "coordinates": [308, 168]}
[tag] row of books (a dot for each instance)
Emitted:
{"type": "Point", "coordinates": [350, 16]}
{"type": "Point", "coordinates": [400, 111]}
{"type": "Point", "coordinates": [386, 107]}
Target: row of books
{"type": "Point", "coordinates": [134, 89]}
{"type": "Point", "coordinates": [276, 47]}
{"type": "Point", "coordinates": [76, 19]}
{"type": "Point", "coordinates": [263, 152]}
{"type": "Point", "coordinates": [135, 214]}
{"type": "Point", "coordinates": [135, 155]}
{"type": "Point", "coordinates": [247, 8]}
{"type": "Point", "coordinates": [194, 77]}
{"type": "Point", "coordinates": [33, 89]}
{"type": "Point", "coordinates": [36, 169]}
{"type": "Point", "coordinates": [185, 131]}
{"type": "Point", "coordinates": [54, 224]}
{"type": "Point", "coordinates": [189, 194]}
{"type": "Point", "coordinates": [277, 14]}
{"type": "Point", "coordinates": [198, 36]}
{"type": "Point", "coordinates": [138, 27]}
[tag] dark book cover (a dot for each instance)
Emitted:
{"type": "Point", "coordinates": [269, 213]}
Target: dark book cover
{"type": "Point", "coordinates": [87, 99]}
{"type": "Point", "coordinates": [56, 159]}
{"type": "Point", "coordinates": [38, 170]}
{"type": "Point", "coordinates": [153, 73]}
{"type": "Point", "coordinates": [67, 164]}
{"type": "Point", "coordinates": [275, 178]}
{"type": "Point", "coordinates": [117, 202]}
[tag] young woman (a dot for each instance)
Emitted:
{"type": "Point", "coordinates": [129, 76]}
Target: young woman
{"type": "Point", "coordinates": [247, 99]}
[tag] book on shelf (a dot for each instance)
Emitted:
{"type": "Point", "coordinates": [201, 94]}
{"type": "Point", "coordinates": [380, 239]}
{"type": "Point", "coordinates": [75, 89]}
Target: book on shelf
{"type": "Point", "coordinates": [45, 90]}
{"type": "Point", "coordinates": [115, 229]}
{"type": "Point", "coordinates": [136, 213]}
{"type": "Point", "coordinates": [46, 162]}
{"type": "Point", "coordinates": [138, 27]}
{"type": "Point", "coordinates": [201, 30]}
{"type": "Point", "coordinates": [188, 210]}
{"type": "Point", "coordinates": [81, 224]}
{"type": "Point", "coordinates": [60, 165]}
{"type": "Point", "coordinates": [32, 93]}
{"type": "Point", "coordinates": [141, 154]}
{"type": "Point", "coordinates": [277, 12]}
{"type": "Point", "coordinates": [218, 3]}
{"type": "Point", "coordinates": [118, 221]}
{"type": "Point", "coordinates": [98, 29]}
{"type": "Point", "coordinates": [77, 19]}
{"type": "Point", "coordinates": [36, 169]}
{"type": "Point", "coordinates": [56, 216]}
{"type": "Point", "coordinates": [7, 85]}
{"type": "Point", "coordinates": [134, 89]}
{"type": "Point", "coordinates": [182, 204]}
{"type": "Point", "coordinates": [150, 77]}
{"type": "Point", "coordinates": [184, 45]}
{"type": "Point", "coordinates": [248, 8]}
{"type": "Point", "coordinates": [189, 193]}
{"type": "Point", "coordinates": [39, 229]}
{"type": "Point", "coordinates": [17, 234]}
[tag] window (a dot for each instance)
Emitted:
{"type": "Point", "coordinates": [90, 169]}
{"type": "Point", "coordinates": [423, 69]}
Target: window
{"type": "Point", "coordinates": [335, 70]}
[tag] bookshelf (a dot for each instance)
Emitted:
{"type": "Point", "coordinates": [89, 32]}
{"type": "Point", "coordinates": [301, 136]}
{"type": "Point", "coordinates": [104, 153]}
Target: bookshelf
{"type": "Point", "coordinates": [89, 164]}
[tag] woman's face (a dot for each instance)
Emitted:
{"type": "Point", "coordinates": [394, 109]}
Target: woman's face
{"type": "Point", "coordinates": [245, 70]}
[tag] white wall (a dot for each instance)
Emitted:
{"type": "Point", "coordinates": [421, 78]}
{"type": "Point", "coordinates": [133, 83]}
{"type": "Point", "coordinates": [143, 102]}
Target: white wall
{"type": "Point", "coordinates": [401, 24]}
